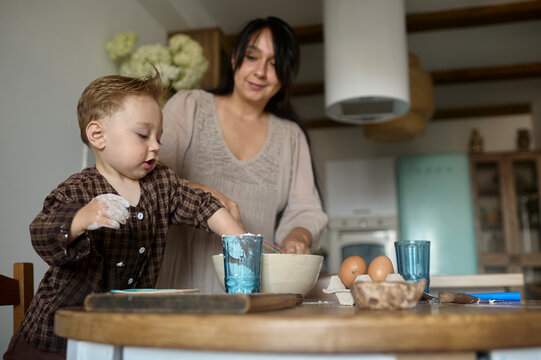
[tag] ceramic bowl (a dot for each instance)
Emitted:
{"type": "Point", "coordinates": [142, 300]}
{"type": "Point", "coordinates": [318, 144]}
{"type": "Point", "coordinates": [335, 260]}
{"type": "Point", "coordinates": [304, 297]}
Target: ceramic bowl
{"type": "Point", "coordinates": [387, 295]}
{"type": "Point", "coordinates": [282, 273]}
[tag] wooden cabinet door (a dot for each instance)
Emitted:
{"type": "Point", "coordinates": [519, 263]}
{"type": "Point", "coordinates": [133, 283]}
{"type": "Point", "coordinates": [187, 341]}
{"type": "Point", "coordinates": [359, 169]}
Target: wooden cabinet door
{"type": "Point", "coordinates": [507, 200]}
{"type": "Point", "coordinates": [526, 254]}
{"type": "Point", "coordinates": [493, 218]}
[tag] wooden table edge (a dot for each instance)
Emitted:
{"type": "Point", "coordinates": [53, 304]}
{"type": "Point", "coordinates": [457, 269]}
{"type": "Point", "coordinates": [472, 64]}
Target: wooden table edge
{"type": "Point", "coordinates": [282, 332]}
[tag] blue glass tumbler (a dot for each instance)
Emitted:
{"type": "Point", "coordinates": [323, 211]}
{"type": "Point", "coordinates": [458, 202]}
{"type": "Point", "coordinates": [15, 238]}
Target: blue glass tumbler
{"type": "Point", "coordinates": [242, 263]}
{"type": "Point", "coordinates": [413, 260]}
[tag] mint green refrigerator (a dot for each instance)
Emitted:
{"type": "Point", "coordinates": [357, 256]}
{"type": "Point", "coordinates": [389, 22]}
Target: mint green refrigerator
{"type": "Point", "coordinates": [435, 203]}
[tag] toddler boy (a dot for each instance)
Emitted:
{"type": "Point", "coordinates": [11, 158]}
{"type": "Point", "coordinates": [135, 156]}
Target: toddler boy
{"type": "Point", "coordinates": [105, 227]}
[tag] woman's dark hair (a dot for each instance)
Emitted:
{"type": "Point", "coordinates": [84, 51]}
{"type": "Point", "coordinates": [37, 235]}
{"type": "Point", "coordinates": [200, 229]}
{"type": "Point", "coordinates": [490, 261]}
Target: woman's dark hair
{"type": "Point", "coordinates": [286, 60]}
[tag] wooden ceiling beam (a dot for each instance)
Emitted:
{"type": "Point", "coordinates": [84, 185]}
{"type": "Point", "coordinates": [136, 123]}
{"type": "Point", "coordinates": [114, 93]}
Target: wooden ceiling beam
{"type": "Point", "coordinates": [474, 16]}
{"type": "Point", "coordinates": [443, 114]}
{"type": "Point", "coordinates": [324, 124]}
{"type": "Point", "coordinates": [309, 34]}
{"type": "Point", "coordinates": [493, 73]}
{"type": "Point", "coordinates": [440, 20]}
{"type": "Point", "coordinates": [303, 89]}
{"type": "Point", "coordinates": [467, 75]}
{"type": "Point", "coordinates": [479, 111]}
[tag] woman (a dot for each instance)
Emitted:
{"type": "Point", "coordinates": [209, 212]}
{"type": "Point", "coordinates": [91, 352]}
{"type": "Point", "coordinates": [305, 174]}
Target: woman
{"type": "Point", "coordinates": [244, 141]}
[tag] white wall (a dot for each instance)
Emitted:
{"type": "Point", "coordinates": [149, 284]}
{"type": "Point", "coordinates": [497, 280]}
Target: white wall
{"type": "Point", "coordinates": [50, 50]}
{"type": "Point", "coordinates": [499, 134]}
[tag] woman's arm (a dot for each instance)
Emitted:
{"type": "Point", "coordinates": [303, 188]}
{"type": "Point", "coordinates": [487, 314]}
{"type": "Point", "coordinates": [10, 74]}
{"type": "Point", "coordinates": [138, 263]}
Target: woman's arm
{"type": "Point", "coordinates": [303, 218]}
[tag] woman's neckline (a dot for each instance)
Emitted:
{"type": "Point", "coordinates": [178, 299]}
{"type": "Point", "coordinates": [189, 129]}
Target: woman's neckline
{"type": "Point", "coordinates": [224, 142]}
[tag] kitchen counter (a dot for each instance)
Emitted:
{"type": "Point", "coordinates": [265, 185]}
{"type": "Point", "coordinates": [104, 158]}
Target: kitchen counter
{"type": "Point", "coordinates": [315, 328]}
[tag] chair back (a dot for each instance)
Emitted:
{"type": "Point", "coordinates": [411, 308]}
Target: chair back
{"type": "Point", "coordinates": [18, 291]}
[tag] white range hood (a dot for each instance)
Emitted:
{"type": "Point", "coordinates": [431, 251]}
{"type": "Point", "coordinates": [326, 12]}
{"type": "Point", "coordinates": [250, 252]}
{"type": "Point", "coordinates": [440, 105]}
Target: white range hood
{"type": "Point", "coordinates": [366, 60]}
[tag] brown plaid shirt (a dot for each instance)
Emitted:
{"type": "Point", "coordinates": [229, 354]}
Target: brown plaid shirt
{"type": "Point", "coordinates": [105, 259]}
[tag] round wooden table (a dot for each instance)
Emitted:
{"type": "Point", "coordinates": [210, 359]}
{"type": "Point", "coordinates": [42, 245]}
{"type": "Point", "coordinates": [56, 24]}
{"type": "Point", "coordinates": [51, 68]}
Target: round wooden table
{"type": "Point", "coordinates": [316, 328]}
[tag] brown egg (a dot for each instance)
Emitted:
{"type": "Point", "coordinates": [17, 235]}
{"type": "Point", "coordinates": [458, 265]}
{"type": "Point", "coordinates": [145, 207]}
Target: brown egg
{"type": "Point", "coordinates": [350, 269]}
{"type": "Point", "coordinates": [379, 268]}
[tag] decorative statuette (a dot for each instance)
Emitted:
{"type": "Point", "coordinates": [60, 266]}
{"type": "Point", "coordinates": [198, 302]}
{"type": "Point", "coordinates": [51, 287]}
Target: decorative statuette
{"type": "Point", "coordinates": [476, 142]}
{"type": "Point", "coordinates": [523, 139]}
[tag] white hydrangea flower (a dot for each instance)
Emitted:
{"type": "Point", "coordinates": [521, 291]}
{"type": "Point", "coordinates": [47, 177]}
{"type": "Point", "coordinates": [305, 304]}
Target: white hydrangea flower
{"type": "Point", "coordinates": [121, 45]}
{"type": "Point", "coordinates": [134, 68]}
{"type": "Point", "coordinates": [181, 65]}
{"type": "Point", "coordinates": [154, 54]}
{"type": "Point", "coordinates": [192, 53]}
{"type": "Point", "coordinates": [201, 68]}
{"type": "Point", "coordinates": [178, 41]}
{"type": "Point", "coordinates": [188, 81]}
{"type": "Point", "coordinates": [168, 73]}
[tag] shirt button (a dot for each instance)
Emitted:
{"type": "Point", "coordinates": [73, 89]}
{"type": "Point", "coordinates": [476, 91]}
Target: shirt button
{"type": "Point", "coordinates": [141, 250]}
{"type": "Point", "coordinates": [140, 216]}
{"type": "Point", "coordinates": [130, 281]}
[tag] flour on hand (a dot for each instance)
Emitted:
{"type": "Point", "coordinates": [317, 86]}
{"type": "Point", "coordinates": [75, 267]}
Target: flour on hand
{"type": "Point", "coordinates": [115, 208]}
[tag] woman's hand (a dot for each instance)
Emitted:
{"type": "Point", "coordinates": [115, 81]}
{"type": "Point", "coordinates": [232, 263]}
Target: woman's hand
{"type": "Point", "coordinates": [229, 204]}
{"type": "Point", "coordinates": [298, 241]}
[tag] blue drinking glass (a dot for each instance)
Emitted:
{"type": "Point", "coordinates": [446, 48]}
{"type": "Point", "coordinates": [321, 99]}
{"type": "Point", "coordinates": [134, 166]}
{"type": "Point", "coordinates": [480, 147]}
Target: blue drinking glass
{"type": "Point", "coordinates": [242, 263]}
{"type": "Point", "coordinates": [413, 260]}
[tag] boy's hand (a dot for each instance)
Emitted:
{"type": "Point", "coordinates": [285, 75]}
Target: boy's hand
{"type": "Point", "coordinates": [106, 210]}
{"type": "Point", "coordinates": [110, 209]}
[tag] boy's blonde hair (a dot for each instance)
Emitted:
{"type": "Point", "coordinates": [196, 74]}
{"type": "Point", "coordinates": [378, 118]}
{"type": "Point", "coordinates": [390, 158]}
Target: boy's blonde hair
{"type": "Point", "coordinates": [105, 95]}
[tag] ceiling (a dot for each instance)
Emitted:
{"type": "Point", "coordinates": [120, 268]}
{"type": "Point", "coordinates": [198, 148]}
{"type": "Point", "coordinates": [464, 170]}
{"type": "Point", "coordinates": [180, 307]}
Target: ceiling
{"type": "Point", "coordinates": [484, 55]}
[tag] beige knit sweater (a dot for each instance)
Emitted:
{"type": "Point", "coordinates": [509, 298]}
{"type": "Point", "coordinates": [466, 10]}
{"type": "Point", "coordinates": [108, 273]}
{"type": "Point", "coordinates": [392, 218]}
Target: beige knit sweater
{"type": "Point", "coordinates": [274, 190]}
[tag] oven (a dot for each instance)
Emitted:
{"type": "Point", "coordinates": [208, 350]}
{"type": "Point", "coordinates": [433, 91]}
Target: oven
{"type": "Point", "coordinates": [367, 237]}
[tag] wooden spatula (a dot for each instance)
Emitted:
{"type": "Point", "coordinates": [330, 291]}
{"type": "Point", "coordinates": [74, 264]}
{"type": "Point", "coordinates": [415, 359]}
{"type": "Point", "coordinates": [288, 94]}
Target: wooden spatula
{"type": "Point", "coordinates": [451, 297]}
{"type": "Point", "coordinates": [457, 298]}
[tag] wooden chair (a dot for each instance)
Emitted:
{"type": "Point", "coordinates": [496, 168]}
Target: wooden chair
{"type": "Point", "coordinates": [18, 291]}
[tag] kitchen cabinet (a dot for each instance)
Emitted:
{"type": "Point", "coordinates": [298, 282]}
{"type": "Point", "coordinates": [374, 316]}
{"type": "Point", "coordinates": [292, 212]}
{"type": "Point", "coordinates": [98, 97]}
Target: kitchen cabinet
{"type": "Point", "coordinates": [506, 193]}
